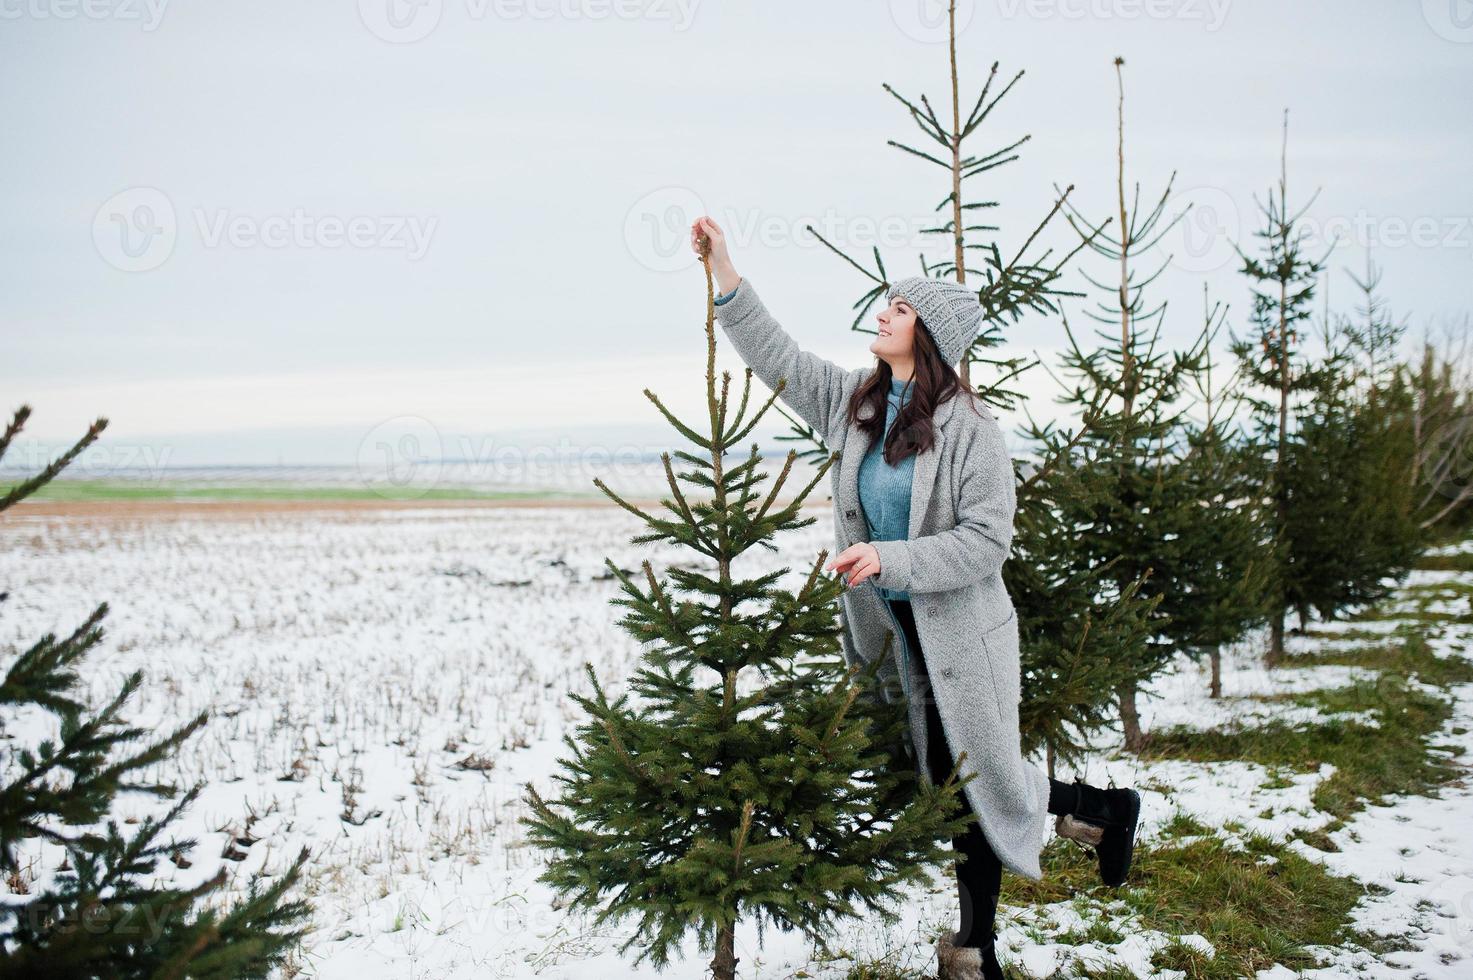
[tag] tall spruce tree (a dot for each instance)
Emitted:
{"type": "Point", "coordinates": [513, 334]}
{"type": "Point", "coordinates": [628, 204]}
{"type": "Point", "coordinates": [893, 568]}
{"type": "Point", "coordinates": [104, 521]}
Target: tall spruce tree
{"type": "Point", "coordinates": [758, 776]}
{"type": "Point", "coordinates": [1142, 506]}
{"type": "Point", "coordinates": [1278, 373]}
{"type": "Point", "coordinates": [1009, 285]}
{"type": "Point", "coordinates": [100, 915]}
{"type": "Point", "coordinates": [1071, 624]}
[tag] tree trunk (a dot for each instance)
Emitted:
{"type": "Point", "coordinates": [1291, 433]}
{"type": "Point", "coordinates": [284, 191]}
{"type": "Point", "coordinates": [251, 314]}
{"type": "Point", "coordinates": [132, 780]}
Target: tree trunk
{"type": "Point", "coordinates": [1049, 757]}
{"type": "Point", "coordinates": [1215, 691]}
{"type": "Point", "coordinates": [1130, 718]}
{"type": "Point", "coordinates": [1275, 640]}
{"type": "Point", "coordinates": [723, 966]}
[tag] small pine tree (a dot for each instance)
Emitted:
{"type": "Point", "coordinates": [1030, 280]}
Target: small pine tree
{"type": "Point", "coordinates": [1277, 373]}
{"type": "Point", "coordinates": [1351, 521]}
{"type": "Point", "coordinates": [1388, 426]}
{"type": "Point", "coordinates": [1225, 559]}
{"type": "Point", "coordinates": [1076, 623]}
{"type": "Point", "coordinates": [100, 915]}
{"type": "Point", "coordinates": [1438, 383]}
{"type": "Point", "coordinates": [1141, 510]}
{"type": "Point", "coordinates": [759, 775]}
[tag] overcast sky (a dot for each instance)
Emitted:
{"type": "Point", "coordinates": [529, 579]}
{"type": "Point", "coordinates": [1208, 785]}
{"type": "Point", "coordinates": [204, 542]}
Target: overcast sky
{"type": "Point", "coordinates": [257, 231]}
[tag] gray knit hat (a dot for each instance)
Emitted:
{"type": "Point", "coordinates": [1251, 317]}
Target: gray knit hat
{"type": "Point", "coordinates": [949, 310]}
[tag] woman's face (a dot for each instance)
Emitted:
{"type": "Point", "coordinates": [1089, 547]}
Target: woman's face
{"type": "Point", "coordinates": [897, 323]}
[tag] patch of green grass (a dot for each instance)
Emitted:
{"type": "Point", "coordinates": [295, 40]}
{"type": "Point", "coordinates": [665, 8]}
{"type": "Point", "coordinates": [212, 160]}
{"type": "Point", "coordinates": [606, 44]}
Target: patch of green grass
{"type": "Point", "coordinates": [1103, 933]}
{"type": "Point", "coordinates": [881, 970]}
{"type": "Point", "coordinates": [1099, 973]}
{"type": "Point", "coordinates": [1375, 614]}
{"type": "Point", "coordinates": [1450, 589]}
{"type": "Point", "coordinates": [1456, 597]}
{"type": "Point", "coordinates": [1182, 824]}
{"type": "Point", "coordinates": [1181, 956]}
{"type": "Point", "coordinates": [1371, 761]}
{"type": "Point", "coordinates": [1406, 654]}
{"type": "Point", "coordinates": [1262, 905]}
{"type": "Point", "coordinates": [1279, 780]}
{"type": "Point", "coordinates": [1320, 839]}
{"type": "Point", "coordinates": [68, 491]}
{"type": "Point", "coordinates": [1325, 633]}
{"type": "Point", "coordinates": [1097, 931]}
{"type": "Point", "coordinates": [1462, 562]}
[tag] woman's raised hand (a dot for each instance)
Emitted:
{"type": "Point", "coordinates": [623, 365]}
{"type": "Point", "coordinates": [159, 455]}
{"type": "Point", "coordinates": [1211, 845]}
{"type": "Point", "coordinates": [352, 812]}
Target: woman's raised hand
{"type": "Point", "coordinates": [721, 267]}
{"type": "Point", "coordinates": [719, 254]}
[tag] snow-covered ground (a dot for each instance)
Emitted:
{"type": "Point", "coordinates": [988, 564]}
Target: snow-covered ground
{"type": "Point", "coordinates": [384, 682]}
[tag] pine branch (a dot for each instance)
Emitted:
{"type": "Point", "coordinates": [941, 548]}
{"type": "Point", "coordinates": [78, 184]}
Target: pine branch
{"type": "Point", "coordinates": [25, 488]}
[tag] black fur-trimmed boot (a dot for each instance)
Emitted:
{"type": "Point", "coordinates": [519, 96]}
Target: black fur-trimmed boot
{"type": "Point", "coordinates": [1106, 820]}
{"type": "Point", "coordinates": [967, 962]}
{"type": "Point", "coordinates": [955, 962]}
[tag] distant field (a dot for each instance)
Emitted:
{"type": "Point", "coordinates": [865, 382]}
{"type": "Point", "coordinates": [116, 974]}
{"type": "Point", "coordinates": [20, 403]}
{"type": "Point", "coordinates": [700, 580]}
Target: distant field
{"type": "Point", "coordinates": [557, 482]}
{"type": "Point", "coordinates": [103, 490]}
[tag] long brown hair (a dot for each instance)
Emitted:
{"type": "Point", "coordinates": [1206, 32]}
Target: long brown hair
{"type": "Point", "coordinates": [933, 382]}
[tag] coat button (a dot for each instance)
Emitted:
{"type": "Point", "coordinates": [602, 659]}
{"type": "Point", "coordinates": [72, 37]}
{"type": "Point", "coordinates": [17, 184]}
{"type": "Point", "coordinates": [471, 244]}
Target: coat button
{"type": "Point", "coordinates": [948, 673]}
{"type": "Point", "coordinates": [849, 512]}
{"type": "Point", "coordinates": [931, 612]}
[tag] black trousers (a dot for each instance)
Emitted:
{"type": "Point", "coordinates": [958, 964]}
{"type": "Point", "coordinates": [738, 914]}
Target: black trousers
{"type": "Point", "coordinates": [978, 871]}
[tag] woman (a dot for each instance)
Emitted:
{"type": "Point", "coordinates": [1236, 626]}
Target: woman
{"type": "Point", "coordinates": [923, 513]}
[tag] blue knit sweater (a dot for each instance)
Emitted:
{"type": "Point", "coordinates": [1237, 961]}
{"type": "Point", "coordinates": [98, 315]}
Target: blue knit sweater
{"type": "Point", "coordinates": [884, 490]}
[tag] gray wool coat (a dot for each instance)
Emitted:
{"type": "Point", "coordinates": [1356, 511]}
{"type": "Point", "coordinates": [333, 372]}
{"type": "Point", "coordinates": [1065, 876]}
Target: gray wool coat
{"type": "Point", "coordinates": [961, 529]}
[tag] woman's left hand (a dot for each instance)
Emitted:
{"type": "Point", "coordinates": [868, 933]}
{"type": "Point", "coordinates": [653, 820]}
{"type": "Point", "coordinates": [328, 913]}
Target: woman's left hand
{"type": "Point", "coordinates": [859, 560]}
